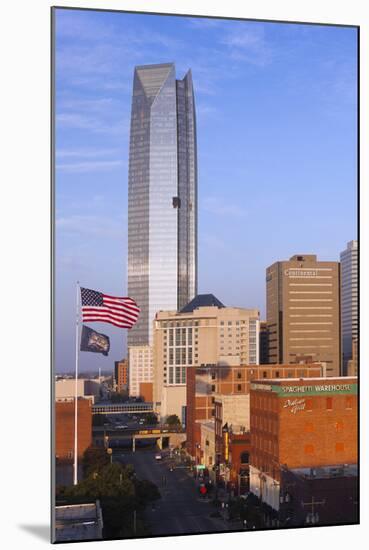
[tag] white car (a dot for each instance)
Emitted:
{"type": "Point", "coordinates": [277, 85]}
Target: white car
{"type": "Point", "coordinates": [158, 457]}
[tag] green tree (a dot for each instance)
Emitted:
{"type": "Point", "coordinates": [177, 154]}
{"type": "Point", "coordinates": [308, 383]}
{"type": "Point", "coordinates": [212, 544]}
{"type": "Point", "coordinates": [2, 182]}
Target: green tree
{"type": "Point", "coordinates": [173, 420]}
{"type": "Point", "coordinates": [119, 397]}
{"type": "Point", "coordinates": [120, 494]}
{"type": "Point", "coordinates": [94, 459]}
{"type": "Point", "coordinates": [151, 419]}
{"type": "Point", "coordinates": [99, 419]}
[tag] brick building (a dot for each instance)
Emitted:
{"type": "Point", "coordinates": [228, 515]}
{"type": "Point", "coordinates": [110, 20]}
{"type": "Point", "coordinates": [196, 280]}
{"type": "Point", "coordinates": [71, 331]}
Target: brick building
{"type": "Point", "coordinates": [319, 496]}
{"type": "Point", "coordinates": [64, 427]}
{"type": "Point", "coordinates": [208, 382]}
{"type": "Point", "coordinates": [121, 375]}
{"type": "Point", "coordinates": [297, 423]}
{"type": "Point", "coordinates": [146, 391]}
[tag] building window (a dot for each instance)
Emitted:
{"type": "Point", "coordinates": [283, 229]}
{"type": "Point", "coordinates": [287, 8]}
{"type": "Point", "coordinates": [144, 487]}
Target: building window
{"type": "Point", "coordinates": [239, 375]}
{"type": "Point", "coordinates": [213, 387]}
{"type": "Point", "coordinates": [309, 449]}
{"type": "Point", "coordinates": [309, 404]}
{"type": "Point", "coordinates": [213, 375]}
{"type": "Point", "coordinates": [245, 458]}
{"type": "Point", "coordinates": [277, 374]}
{"type": "Point", "coordinates": [264, 374]}
{"type": "Point", "coordinates": [329, 403]}
{"type": "Point", "coordinates": [238, 387]}
{"type": "Point", "coordinates": [349, 402]}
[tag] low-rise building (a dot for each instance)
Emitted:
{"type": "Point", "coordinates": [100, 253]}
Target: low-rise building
{"type": "Point", "coordinates": [65, 426]}
{"type": "Point", "coordinates": [300, 423]}
{"type": "Point", "coordinates": [65, 388]}
{"type": "Point", "coordinates": [208, 382]}
{"type": "Point", "coordinates": [77, 522]}
{"type": "Point", "coordinates": [319, 496]}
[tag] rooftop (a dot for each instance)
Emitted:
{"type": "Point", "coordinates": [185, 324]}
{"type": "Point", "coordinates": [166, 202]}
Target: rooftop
{"type": "Point", "coordinates": [202, 300]}
{"type": "Point", "coordinates": [327, 472]}
{"type": "Point", "coordinates": [78, 522]}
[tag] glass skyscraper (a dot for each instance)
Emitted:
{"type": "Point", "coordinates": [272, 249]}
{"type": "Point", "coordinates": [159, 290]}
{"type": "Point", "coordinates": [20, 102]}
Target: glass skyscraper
{"type": "Point", "coordinates": [349, 300]}
{"type": "Point", "coordinates": [162, 195]}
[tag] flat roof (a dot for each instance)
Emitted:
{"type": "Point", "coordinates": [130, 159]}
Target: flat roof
{"type": "Point", "coordinates": [77, 522]}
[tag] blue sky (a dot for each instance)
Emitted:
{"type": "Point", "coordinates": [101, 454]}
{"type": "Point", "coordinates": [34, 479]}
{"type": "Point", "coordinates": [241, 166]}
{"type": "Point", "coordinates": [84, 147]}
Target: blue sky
{"type": "Point", "coordinates": [277, 141]}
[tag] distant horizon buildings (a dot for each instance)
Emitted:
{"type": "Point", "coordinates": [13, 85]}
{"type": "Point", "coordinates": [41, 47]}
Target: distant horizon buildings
{"type": "Point", "coordinates": [349, 302]}
{"type": "Point", "coordinates": [303, 311]}
{"type": "Point", "coordinates": [162, 195]}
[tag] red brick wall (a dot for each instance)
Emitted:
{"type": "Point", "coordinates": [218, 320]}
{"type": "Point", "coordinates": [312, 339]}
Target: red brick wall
{"type": "Point", "coordinates": [322, 433]}
{"type": "Point", "coordinates": [64, 427]}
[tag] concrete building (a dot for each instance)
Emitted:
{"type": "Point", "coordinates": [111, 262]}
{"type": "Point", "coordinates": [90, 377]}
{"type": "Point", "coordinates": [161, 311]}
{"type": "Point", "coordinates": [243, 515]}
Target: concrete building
{"type": "Point", "coordinates": [303, 311]}
{"type": "Point", "coordinates": [230, 384]}
{"type": "Point", "coordinates": [88, 388]}
{"type": "Point", "coordinates": [64, 427]}
{"type": "Point", "coordinates": [297, 423]}
{"type": "Point", "coordinates": [140, 368]}
{"type": "Point", "coordinates": [204, 331]}
{"type": "Point", "coordinates": [207, 429]}
{"type": "Point", "coordinates": [162, 195]}
{"type": "Point", "coordinates": [77, 522]}
{"type": "Point", "coordinates": [349, 301]}
{"type": "Point", "coordinates": [121, 375]}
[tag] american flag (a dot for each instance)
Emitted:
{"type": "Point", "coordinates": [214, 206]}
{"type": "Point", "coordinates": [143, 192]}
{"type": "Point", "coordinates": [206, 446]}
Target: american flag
{"type": "Point", "coordinates": [96, 306]}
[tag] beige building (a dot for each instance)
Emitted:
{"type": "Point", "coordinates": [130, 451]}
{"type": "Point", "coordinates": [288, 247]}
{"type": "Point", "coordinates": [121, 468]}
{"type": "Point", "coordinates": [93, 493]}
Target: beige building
{"type": "Point", "coordinates": [203, 332]}
{"type": "Point", "coordinates": [235, 411]}
{"type": "Point", "coordinates": [65, 389]}
{"type": "Point", "coordinates": [303, 311]}
{"type": "Point", "coordinates": [140, 368]}
{"type": "Point", "coordinates": [208, 445]}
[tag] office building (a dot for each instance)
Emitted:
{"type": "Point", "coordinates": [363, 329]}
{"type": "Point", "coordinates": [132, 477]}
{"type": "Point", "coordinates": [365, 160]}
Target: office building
{"type": "Point", "coordinates": [140, 368]}
{"type": "Point", "coordinates": [349, 301]}
{"type": "Point", "coordinates": [162, 195]}
{"type": "Point", "coordinates": [121, 375]}
{"type": "Point", "coordinates": [263, 343]}
{"type": "Point", "coordinates": [352, 364]}
{"type": "Point", "coordinates": [226, 388]}
{"type": "Point", "coordinates": [303, 311]}
{"type": "Point", "coordinates": [204, 331]}
{"type": "Point", "coordinates": [300, 423]}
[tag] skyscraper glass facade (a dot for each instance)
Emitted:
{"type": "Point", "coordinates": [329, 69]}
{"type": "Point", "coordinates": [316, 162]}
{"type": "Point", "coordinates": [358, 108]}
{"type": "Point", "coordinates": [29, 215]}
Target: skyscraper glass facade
{"type": "Point", "coordinates": [162, 195]}
{"type": "Point", "coordinates": [349, 300]}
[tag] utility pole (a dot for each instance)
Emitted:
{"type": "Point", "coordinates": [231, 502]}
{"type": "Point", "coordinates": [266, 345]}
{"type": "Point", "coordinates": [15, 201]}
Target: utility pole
{"type": "Point", "coordinates": [313, 516]}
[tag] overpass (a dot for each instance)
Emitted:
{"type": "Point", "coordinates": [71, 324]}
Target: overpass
{"type": "Point", "coordinates": [122, 408]}
{"type": "Point", "coordinates": [174, 436]}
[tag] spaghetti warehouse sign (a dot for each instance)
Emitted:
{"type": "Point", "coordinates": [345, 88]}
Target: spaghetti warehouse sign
{"type": "Point", "coordinates": [308, 390]}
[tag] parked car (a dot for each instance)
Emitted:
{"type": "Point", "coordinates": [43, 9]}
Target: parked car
{"type": "Point", "coordinates": [158, 456]}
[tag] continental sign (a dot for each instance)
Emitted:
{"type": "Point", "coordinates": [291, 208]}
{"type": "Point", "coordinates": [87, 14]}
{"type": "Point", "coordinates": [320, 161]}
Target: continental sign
{"type": "Point", "coordinates": [314, 389]}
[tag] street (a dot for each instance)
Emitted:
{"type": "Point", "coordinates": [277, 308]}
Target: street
{"type": "Point", "coordinates": [180, 510]}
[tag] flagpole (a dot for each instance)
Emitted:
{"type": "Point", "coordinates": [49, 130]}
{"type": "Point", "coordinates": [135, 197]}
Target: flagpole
{"type": "Point", "coordinates": [75, 466]}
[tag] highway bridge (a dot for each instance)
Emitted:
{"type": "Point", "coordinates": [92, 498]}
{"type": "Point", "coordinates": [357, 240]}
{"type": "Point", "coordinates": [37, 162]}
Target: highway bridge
{"type": "Point", "coordinates": [162, 434]}
{"type": "Point", "coordinates": [122, 408]}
